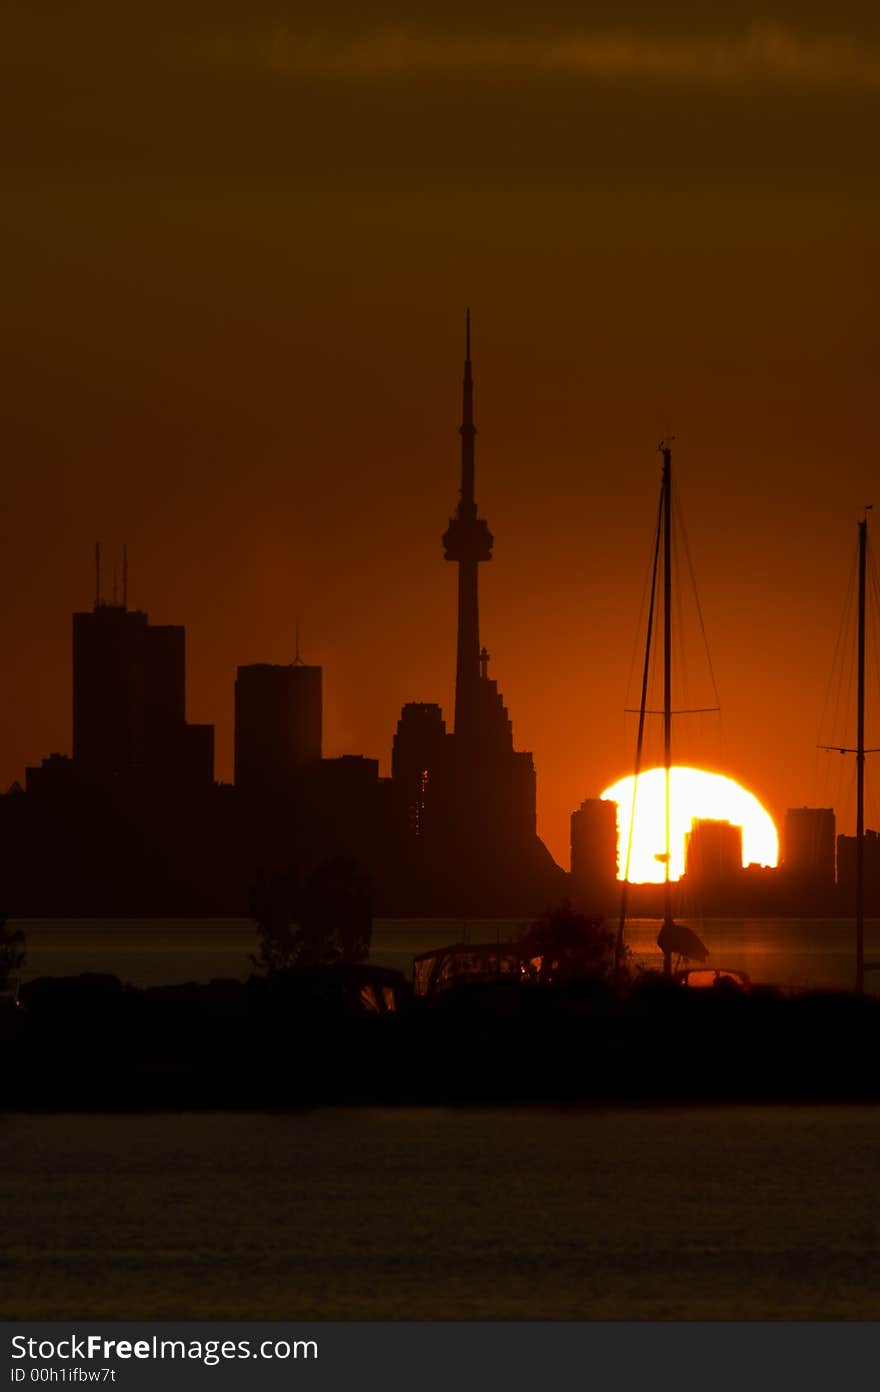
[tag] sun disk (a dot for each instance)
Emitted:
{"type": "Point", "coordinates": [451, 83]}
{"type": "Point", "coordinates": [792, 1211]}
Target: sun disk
{"type": "Point", "coordinates": [694, 794]}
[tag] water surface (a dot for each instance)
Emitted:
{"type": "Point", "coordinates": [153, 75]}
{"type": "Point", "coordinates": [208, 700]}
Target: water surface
{"type": "Point", "coordinates": [150, 952]}
{"type": "Point", "coordinates": [734, 1213]}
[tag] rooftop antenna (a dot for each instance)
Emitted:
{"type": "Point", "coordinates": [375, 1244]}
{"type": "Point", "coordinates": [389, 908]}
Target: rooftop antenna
{"type": "Point", "coordinates": [97, 574]}
{"type": "Point", "coordinates": [297, 661]}
{"type": "Point", "coordinates": [114, 585]}
{"type": "Point", "coordinates": [124, 576]}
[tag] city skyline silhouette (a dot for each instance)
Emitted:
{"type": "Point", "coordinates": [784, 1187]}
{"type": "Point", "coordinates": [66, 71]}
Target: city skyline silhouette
{"type": "Point", "coordinates": [454, 828]}
{"type": "Point", "coordinates": [112, 595]}
{"type": "Point", "coordinates": [350, 334]}
{"type": "Point", "coordinates": [244, 365]}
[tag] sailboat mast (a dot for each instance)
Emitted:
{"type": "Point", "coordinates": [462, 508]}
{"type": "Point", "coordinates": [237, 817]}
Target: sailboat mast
{"type": "Point", "coordinates": [860, 769]}
{"type": "Point", "coordinates": [640, 741]}
{"type": "Point", "coordinates": [667, 684]}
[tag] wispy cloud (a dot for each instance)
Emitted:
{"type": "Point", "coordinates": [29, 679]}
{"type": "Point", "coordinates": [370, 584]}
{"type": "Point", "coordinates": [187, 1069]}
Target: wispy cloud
{"type": "Point", "coordinates": [764, 53]}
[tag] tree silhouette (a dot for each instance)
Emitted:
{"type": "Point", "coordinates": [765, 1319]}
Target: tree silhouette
{"type": "Point", "coordinates": [336, 913]}
{"type": "Point", "coordinates": [273, 905]}
{"type": "Point", "coordinates": [572, 944]}
{"type": "Point", "coordinates": [12, 953]}
{"type": "Point", "coordinates": [326, 921]}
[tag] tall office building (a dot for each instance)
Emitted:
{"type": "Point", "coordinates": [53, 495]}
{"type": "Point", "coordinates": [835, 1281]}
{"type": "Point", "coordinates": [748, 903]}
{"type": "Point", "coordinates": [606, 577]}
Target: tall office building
{"type": "Point", "coordinates": [594, 854]}
{"type": "Point", "coordinates": [420, 758]}
{"type": "Point", "coordinates": [847, 863]}
{"type": "Point", "coordinates": [277, 724]}
{"type": "Point", "coordinates": [713, 851]}
{"type": "Point", "coordinates": [808, 846]}
{"type": "Point", "coordinates": [129, 699]}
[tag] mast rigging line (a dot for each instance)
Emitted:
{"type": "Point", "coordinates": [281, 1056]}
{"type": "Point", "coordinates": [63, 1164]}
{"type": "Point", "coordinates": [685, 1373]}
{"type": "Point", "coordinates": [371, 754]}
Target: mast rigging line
{"type": "Point", "coordinates": [678, 517]}
{"type": "Point", "coordinates": [677, 603]}
{"type": "Point", "coordinates": [647, 587]}
{"type": "Point", "coordinates": [690, 710]}
{"type": "Point", "coordinates": [837, 666]}
{"type": "Point", "coordinates": [840, 749]}
{"type": "Point", "coordinates": [859, 750]}
{"type": "Point", "coordinates": [873, 612]}
{"type": "Point", "coordinates": [670, 524]}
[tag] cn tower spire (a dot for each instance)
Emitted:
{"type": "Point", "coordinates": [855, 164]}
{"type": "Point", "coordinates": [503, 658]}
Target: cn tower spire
{"type": "Point", "coordinates": [467, 429]}
{"type": "Point", "coordinates": [467, 541]}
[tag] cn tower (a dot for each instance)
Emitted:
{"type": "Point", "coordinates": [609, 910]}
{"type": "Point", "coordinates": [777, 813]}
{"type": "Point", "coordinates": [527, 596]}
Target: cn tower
{"type": "Point", "coordinates": [467, 541]}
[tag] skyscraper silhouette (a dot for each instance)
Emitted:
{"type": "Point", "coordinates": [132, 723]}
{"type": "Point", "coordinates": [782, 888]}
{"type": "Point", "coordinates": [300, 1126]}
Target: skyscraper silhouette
{"type": "Point", "coordinates": [808, 846]}
{"type": "Point", "coordinates": [129, 699]}
{"type": "Point", "coordinates": [594, 860]}
{"type": "Point", "coordinates": [277, 724]}
{"type": "Point", "coordinates": [713, 852]}
{"type": "Point", "coordinates": [133, 823]}
{"type": "Point", "coordinates": [419, 770]}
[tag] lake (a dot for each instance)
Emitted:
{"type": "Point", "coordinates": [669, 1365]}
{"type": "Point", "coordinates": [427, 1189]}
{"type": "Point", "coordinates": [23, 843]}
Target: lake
{"type": "Point", "coordinates": [663, 1213]}
{"type": "Point", "coordinates": [734, 1213]}
{"type": "Point", "coordinates": [151, 952]}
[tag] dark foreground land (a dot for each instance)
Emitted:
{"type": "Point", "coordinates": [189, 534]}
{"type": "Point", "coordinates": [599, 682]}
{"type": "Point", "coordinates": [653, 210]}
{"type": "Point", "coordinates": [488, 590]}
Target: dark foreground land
{"type": "Point", "coordinates": [88, 1042]}
{"type": "Point", "coordinates": [177, 1153]}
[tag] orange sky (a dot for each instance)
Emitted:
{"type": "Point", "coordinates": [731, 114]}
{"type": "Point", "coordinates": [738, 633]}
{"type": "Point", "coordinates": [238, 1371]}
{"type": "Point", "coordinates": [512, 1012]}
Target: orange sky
{"type": "Point", "coordinates": [237, 254]}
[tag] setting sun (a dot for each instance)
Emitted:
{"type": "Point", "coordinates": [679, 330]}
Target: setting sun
{"type": "Point", "coordinates": [694, 794]}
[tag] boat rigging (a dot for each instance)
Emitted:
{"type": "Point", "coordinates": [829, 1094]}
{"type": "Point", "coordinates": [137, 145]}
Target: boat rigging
{"type": "Point", "coordinates": [860, 752]}
{"type": "Point", "coordinates": [673, 938]}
